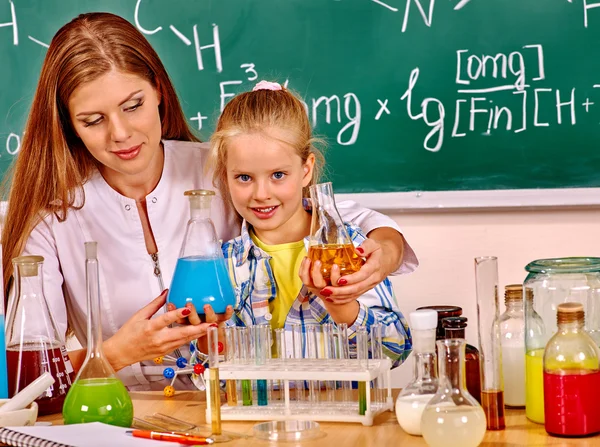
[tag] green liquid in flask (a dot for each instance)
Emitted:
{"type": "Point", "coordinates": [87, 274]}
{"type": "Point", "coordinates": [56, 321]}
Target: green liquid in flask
{"type": "Point", "coordinates": [98, 400]}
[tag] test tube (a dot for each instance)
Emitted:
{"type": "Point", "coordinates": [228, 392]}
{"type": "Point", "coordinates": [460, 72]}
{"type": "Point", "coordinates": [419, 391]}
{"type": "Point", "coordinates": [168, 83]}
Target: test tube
{"type": "Point", "coordinates": [314, 386]}
{"type": "Point", "coordinates": [362, 350]}
{"type": "Point", "coordinates": [244, 358]}
{"type": "Point", "coordinates": [281, 352]}
{"type": "Point", "coordinates": [215, 391]}
{"type": "Point", "coordinates": [261, 339]}
{"type": "Point", "coordinates": [345, 354]}
{"type": "Point", "coordinates": [329, 354]}
{"type": "Point", "coordinates": [232, 348]}
{"type": "Point", "coordinates": [377, 353]}
{"type": "Point", "coordinates": [297, 340]}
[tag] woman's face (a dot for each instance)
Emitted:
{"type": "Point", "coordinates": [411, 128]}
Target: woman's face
{"type": "Point", "coordinates": [117, 118]}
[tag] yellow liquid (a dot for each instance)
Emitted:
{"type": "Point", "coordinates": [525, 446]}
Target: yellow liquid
{"type": "Point", "coordinates": [534, 385]}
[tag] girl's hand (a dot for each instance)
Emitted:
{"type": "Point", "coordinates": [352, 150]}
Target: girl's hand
{"type": "Point", "coordinates": [143, 337]}
{"type": "Point", "coordinates": [209, 314]}
{"type": "Point", "coordinates": [347, 288]}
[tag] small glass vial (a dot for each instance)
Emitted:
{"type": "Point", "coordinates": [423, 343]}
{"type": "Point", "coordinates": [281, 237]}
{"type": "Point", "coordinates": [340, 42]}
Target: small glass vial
{"type": "Point", "coordinates": [443, 311]}
{"type": "Point", "coordinates": [452, 418]}
{"type": "Point", "coordinates": [416, 395]}
{"type": "Point", "coordinates": [455, 328]}
{"type": "Point", "coordinates": [512, 340]}
{"type": "Point", "coordinates": [571, 376]}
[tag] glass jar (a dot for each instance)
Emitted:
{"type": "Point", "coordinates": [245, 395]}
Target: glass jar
{"type": "Point", "coordinates": [555, 281]}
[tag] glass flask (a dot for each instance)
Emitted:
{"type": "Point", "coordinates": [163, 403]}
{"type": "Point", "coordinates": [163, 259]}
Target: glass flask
{"type": "Point", "coordinates": [97, 394]}
{"type": "Point", "coordinates": [571, 376]}
{"type": "Point", "coordinates": [490, 355]}
{"type": "Point", "coordinates": [34, 344]}
{"type": "Point", "coordinates": [452, 418]}
{"type": "Point", "coordinates": [555, 281]}
{"type": "Point", "coordinates": [512, 340]}
{"type": "Point", "coordinates": [416, 395]}
{"type": "Point", "coordinates": [443, 312]}
{"type": "Point", "coordinates": [455, 328]}
{"type": "Point", "coordinates": [329, 240]}
{"type": "Point", "coordinates": [200, 274]}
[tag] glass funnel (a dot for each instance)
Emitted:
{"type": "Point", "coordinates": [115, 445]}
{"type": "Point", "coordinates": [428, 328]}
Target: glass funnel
{"type": "Point", "coordinates": [34, 344]}
{"type": "Point", "coordinates": [200, 274]}
{"type": "Point", "coordinates": [97, 394]}
{"type": "Point", "coordinates": [453, 418]}
{"type": "Point", "coordinates": [416, 395]}
{"type": "Point", "coordinates": [329, 240]}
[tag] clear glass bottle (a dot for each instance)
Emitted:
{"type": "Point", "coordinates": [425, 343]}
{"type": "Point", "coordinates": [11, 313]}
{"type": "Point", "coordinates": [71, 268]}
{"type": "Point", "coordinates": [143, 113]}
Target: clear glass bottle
{"type": "Point", "coordinates": [571, 376]}
{"type": "Point", "coordinates": [416, 395]}
{"type": "Point", "coordinates": [452, 418]}
{"type": "Point", "coordinates": [329, 240]}
{"type": "Point", "coordinates": [512, 340]}
{"type": "Point", "coordinates": [554, 281]}
{"type": "Point", "coordinates": [201, 274]}
{"type": "Point", "coordinates": [97, 394]}
{"type": "Point", "coordinates": [488, 313]}
{"type": "Point", "coordinates": [443, 311]}
{"type": "Point", "coordinates": [455, 328]}
{"type": "Point", "coordinates": [34, 343]}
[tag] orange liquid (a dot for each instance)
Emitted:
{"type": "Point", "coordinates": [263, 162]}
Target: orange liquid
{"type": "Point", "coordinates": [343, 255]}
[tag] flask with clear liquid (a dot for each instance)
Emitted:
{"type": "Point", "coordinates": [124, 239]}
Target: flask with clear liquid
{"type": "Point", "coordinates": [201, 274]}
{"type": "Point", "coordinates": [416, 395]}
{"type": "Point", "coordinates": [34, 344]}
{"type": "Point", "coordinates": [329, 240]}
{"type": "Point", "coordinates": [452, 418]}
{"type": "Point", "coordinates": [97, 394]}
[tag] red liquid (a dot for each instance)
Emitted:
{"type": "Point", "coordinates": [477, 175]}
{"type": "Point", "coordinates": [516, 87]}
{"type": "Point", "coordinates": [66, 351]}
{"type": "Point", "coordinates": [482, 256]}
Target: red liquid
{"type": "Point", "coordinates": [473, 374]}
{"type": "Point", "coordinates": [571, 403]}
{"type": "Point", "coordinates": [33, 364]}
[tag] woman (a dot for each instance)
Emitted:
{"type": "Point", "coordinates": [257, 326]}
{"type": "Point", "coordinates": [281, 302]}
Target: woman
{"type": "Point", "coordinates": [106, 156]}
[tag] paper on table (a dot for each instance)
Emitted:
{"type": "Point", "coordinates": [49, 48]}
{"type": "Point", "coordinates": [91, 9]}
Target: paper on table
{"type": "Point", "coordinates": [94, 434]}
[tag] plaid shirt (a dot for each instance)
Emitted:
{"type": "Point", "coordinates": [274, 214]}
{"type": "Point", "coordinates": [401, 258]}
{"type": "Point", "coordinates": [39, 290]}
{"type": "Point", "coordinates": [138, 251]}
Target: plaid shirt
{"type": "Point", "coordinates": [254, 283]}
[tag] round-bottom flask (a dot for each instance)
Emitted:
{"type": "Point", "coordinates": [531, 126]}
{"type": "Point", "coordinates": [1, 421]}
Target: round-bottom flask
{"type": "Point", "coordinates": [453, 418]}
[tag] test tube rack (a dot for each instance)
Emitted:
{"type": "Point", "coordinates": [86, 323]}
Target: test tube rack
{"type": "Point", "coordinates": [289, 370]}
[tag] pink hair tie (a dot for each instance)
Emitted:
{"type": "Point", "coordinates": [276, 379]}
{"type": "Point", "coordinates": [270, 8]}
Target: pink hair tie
{"type": "Point", "coordinates": [266, 85]}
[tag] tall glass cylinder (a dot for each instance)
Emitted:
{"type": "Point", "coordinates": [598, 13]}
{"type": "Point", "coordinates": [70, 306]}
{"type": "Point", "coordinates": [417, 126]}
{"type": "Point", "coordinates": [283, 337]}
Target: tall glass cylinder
{"type": "Point", "coordinates": [490, 349]}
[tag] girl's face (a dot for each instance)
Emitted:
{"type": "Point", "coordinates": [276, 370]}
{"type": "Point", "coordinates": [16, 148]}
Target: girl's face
{"type": "Point", "coordinates": [265, 179]}
{"type": "Point", "coordinates": [117, 118]}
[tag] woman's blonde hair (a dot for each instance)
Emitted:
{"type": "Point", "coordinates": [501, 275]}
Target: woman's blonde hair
{"type": "Point", "coordinates": [257, 112]}
{"type": "Point", "coordinates": [53, 163]}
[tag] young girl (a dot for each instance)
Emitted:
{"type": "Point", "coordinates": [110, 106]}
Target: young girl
{"type": "Point", "coordinates": [264, 161]}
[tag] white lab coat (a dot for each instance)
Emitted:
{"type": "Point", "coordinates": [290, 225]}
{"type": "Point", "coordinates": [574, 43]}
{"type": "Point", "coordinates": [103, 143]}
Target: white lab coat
{"type": "Point", "coordinates": [127, 278]}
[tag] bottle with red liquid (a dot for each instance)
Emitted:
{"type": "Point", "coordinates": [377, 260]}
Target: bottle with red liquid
{"type": "Point", "coordinates": [33, 343]}
{"type": "Point", "coordinates": [571, 376]}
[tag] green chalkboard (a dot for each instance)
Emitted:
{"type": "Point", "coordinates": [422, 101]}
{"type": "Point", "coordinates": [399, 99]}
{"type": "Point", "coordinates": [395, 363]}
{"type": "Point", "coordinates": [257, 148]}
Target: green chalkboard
{"type": "Point", "coordinates": [427, 95]}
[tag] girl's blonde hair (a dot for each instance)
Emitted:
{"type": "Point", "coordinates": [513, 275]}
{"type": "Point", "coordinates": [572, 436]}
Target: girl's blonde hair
{"type": "Point", "coordinates": [257, 112]}
{"type": "Point", "coordinates": [53, 163]}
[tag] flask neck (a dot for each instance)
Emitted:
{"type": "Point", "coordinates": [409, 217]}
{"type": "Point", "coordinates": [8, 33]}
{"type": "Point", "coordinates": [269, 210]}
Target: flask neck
{"type": "Point", "coordinates": [94, 317]}
{"type": "Point", "coordinates": [451, 363]}
{"type": "Point", "coordinates": [424, 368]}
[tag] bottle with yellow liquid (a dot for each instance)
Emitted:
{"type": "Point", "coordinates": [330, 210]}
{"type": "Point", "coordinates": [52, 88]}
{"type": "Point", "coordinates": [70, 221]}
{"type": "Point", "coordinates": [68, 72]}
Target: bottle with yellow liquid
{"type": "Point", "coordinates": [329, 240]}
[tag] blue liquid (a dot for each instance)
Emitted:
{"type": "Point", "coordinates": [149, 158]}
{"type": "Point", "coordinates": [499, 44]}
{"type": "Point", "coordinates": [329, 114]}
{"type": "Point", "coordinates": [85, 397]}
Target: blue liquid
{"type": "Point", "coordinates": [3, 370]}
{"type": "Point", "coordinates": [201, 281]}
{"type": "Point", "coordinates": [261, 386]}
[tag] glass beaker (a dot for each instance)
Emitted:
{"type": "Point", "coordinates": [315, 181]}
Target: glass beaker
{"type": "Point", "coordinates": [329, 240]}
{"type": "Point", "coordinates": [97, 394]}
{"type": "Point", "coordinates": [490, 355]}
{"type": "Point", "coordinates": [416, 395]}
{"type": "Point", "coordinates": [34, 344]}
{"type": "Point", "coordinates": [512, 340]}
{"type": "Point", "coordinates": [201, 274]}
{"type": "Point", "coordinates": [554, 281]}
{"type": "Point", "coordinates": [443, 312]}
{"type": "Point", "coordinates": [571, 376]}
{"type": "Point", "coordinates": [452, 418]}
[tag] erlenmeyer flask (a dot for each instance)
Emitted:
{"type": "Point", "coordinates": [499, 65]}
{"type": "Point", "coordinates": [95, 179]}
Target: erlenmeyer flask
{"type": "Point", "coordinates": [200, 274]}
{"type": "Point", "coordinates": [97, 394]}
{"type": "Point", "coordinates": [452, 418]}
{"type": "Point", "coordinates": [35, 345]}
{"type": "Point", "coordinates": [329, 240]}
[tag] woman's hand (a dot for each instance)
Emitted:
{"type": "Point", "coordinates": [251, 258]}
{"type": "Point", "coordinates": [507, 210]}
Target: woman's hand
{"type": "Point", "coordinates": [209, 314]}
{"type": "Point", "coordinates": [143, 337]}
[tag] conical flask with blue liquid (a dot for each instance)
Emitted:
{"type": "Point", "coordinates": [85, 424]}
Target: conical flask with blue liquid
{"type": "Point", "coordinates": [200, 274]}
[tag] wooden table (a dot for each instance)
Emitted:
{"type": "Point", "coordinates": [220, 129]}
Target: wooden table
{"type": "Point", "coordinates": [190, 406]}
